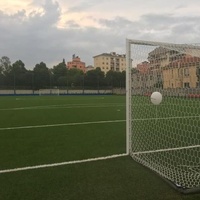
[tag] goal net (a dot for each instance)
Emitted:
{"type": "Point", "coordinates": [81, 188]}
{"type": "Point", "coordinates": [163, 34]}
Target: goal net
{"type": "Point", "coordinates": [165, 137]}
{"type": "Point", "coordinates": [49, 92]}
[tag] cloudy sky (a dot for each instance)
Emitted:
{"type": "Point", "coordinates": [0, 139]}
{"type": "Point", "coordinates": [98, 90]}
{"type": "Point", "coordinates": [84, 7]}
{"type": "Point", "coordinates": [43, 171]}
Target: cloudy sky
{"type": "Point", "coordinates": [50, 30]}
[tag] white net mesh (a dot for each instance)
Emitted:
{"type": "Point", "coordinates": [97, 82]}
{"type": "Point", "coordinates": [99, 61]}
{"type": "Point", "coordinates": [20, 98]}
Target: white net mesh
{"type": "Point", "coordinates": [166, 137]}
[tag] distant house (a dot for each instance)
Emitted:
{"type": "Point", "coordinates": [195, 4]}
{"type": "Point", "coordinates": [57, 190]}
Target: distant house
{"type": "Point", "coordinates": [89, 67]}
{"type": "Point", "coordinates": [76, 63]}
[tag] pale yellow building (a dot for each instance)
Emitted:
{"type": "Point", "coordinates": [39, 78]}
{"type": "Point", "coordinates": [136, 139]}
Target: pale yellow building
{"type": "Point", "coordinates": [183, 73]}
{"type": "Point", "coordinates": [110, 61]}
{"type": "Point", "coordinates": [169, 69]}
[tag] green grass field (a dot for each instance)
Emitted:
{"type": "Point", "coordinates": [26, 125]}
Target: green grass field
{"type": "Point", "coordinates": [53, 129]}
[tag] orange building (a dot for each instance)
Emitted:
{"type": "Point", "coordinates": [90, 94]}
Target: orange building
{"type": "Point", "coordinates": [143, 67]}
{"type": "Point", "coordinates": [76, 63]}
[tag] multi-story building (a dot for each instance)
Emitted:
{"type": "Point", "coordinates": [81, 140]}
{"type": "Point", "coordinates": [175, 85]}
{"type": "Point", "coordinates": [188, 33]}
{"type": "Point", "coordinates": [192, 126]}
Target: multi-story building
{"type": "Point", "coordinates": [168, 69]}
{"type": "Point", "coordinates": [76, 63]}
{"type": "Point", "coordinates": [110, 61]}
{"type": "Point", "coordinates": [182, 73]}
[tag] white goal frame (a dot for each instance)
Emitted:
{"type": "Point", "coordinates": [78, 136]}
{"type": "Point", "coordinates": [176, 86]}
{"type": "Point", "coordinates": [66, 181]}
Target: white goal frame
{"type": "Point", "coordinates": [193, 50]}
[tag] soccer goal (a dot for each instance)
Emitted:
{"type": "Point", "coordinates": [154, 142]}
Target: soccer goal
{"type": "Point", "coordinates": [49, 92]}
{"type": "Point", "coordinates": [165, 137]}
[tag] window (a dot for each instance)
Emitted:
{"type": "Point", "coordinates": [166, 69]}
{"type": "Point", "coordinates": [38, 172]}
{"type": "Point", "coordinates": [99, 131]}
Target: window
{"type": "Point", "coordinates": [186, 85]}
{"type": "Point", "coordinates": [186, 72]}
{"type": "Point", "coordinates": [198, 71]}
{"type": "Point", "coordinates": [180, 72]}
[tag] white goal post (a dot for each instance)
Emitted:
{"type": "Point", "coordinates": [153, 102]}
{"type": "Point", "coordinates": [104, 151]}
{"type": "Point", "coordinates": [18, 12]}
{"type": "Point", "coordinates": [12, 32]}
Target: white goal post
{"type": "Point", "coordinates": [164, 137]}
{"type": "Point", "coordinates": [53, 91]}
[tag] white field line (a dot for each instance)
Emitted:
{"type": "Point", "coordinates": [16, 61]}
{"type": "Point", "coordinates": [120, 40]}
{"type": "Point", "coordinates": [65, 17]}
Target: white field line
{"type": "Point", "coordinates": [63, 106]}
{"type": "Point", "coordinates": [57, 106]}
{"type": "Point", "coordinates": [56, 125]}
{"type": "Point", "coordinates": [61, 163]}
{"type": "Point", "coordinates": [165, 150]}
{"type": "Point", "coordinates": [57, 98]}
{"type": "Point", "coordinates": [87, 123]}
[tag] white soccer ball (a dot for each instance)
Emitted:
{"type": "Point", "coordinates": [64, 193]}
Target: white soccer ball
{"type": "Point", "coordinates": [156, 98]}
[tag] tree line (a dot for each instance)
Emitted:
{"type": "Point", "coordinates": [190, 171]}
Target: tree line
{"type": "Point", "coordinates": [18, 77]}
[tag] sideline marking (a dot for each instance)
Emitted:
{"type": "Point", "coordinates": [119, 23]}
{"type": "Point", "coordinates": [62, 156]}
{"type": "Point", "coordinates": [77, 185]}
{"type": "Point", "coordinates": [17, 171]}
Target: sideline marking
{"type": "Point", "coordinates": [165, 150]}
{"type": "Point", "coordinates": [54, 125]}
{"type": "Point", "coordinates": [61, 163]}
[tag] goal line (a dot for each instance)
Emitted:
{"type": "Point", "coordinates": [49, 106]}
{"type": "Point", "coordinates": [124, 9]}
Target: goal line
{"type": "Point", "coordinates": [61, 163]}
{"type": "Point", "coordinates": [165, 150]}
{"type": "Point", "coordinates": [165, 118]}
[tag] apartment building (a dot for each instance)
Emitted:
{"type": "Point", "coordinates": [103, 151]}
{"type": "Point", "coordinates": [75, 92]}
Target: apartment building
{"type": "Point", "coordinates": [182, 73]}
{"type": "Point", "coordinates": [110, 61]}
{"type": "Point", "coordinates": [168, 69]}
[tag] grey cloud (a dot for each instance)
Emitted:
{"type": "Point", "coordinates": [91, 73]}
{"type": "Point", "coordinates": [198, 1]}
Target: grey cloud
{"type": "Point", "coordinates": [156, 27]}
{"type": "Point", "coordinates": [80, 7]}
{"type": "Point", "coordinates": [35, 38]}
{"type": "Point", "coordinates": [178, 29]}
{"type": "Point", "coordinates": [118, 22]}
{"type": "Point", "coordinates": [72, 24]}
{"type": "Point", "coordinates": [85, 5]}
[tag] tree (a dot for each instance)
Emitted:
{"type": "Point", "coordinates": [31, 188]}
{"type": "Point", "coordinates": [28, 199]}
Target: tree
{"type": "Point", "coordinates": [123, 79]}
{"type": "Point", "coordinates": [60, 74]}
{"type": "Point", "coordinates": [116, 79]}
{"type": "Point", "coordinates": [18, 72]}
{"type": "Point", "coordinates": [42, 78]}
{"type": "Point", "coordinates": [95, 78]}
{"type": "Point", "coordinates": [19, 67]}
{"type": "Point", "coordinates": [5, 65]}
{"type": "Point", "coordinates": [75, 77]}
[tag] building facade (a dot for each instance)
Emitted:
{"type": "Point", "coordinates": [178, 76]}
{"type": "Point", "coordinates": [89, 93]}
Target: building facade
{"type": "Point", "coordinates": [76, 63]}
{"type": "Point", "coordinates": [110, 61]}
{"type": "Point", "coordinates": [167, 69]}
{"type": "Point", "coordinates": [182, 73]}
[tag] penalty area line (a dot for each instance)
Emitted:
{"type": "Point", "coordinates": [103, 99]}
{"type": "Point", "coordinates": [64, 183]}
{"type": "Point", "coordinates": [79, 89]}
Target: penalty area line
{"type": "Point", "coordinates": [57, 125]}
{"type": "Point", "coordinates": [61, 163]}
